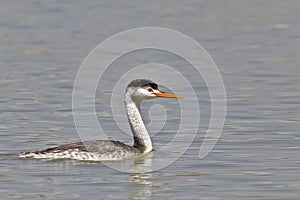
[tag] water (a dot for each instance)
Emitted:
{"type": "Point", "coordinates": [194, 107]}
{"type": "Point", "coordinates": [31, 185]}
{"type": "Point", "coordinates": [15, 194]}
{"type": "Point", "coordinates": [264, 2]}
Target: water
{"type": "Point", "coordinates": [255, 45]}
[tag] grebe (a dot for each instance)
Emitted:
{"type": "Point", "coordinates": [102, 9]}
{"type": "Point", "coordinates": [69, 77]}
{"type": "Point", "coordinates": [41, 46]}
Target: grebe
{"type": "Point", "coordinates": [103, 150]}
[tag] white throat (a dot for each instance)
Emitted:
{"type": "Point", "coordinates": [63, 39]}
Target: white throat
{"type": "Point", "coordinates": [142, 140]}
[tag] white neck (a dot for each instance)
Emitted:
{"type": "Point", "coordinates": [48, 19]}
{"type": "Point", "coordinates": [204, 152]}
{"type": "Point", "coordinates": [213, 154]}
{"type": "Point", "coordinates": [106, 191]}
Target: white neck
{"type": "Point", "coordinates": [142, 140]}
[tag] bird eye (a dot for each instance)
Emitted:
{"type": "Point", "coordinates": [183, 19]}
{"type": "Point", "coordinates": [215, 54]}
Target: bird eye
{"type": "Point", "coordinates": [150, 89]}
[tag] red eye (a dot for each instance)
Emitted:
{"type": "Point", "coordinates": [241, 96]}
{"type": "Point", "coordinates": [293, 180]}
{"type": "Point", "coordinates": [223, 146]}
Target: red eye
{"type": "Point", "coordinates": [150, 89]}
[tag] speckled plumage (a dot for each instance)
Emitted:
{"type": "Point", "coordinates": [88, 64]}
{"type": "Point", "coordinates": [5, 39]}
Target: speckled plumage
{"type": "Point", "coordinates": [98, 150]}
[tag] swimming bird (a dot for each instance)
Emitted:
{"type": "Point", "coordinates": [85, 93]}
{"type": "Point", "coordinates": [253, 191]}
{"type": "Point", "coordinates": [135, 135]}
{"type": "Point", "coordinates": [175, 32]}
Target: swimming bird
{"type": "Point", "coordinates": [104, 150]}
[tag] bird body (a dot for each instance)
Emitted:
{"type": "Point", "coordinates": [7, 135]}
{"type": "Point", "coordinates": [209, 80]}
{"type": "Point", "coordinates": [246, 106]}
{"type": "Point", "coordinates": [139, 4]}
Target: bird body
{"type": "Point", "coordinates": [103, 150]}
{"type": "Point", "coordinates": [97, 150]}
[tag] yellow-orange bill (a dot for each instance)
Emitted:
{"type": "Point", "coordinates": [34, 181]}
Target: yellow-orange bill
{"type": "Point", "coordinates": [167, 95]}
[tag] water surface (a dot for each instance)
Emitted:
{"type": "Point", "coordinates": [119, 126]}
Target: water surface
{"type": "Point", "coordinates": [255, 45]}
